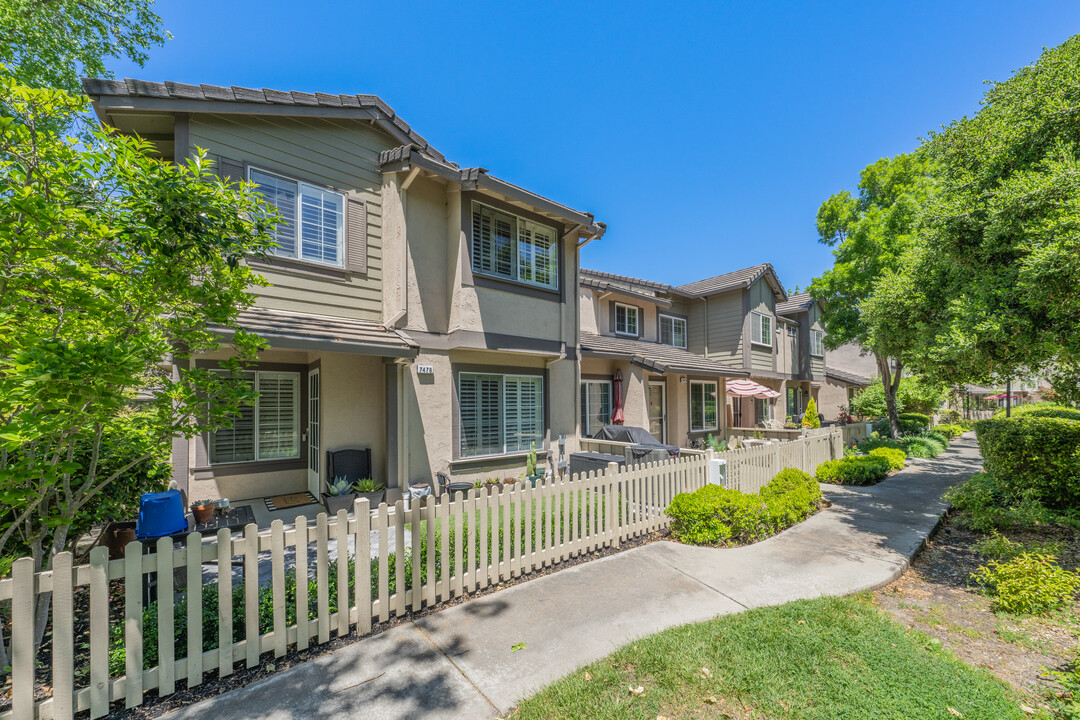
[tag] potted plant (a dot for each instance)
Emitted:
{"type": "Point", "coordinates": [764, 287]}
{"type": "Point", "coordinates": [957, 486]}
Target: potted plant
{"type": "Point", "coordinates": [371, 489]}
{"type": "Point", "coordinates": [530, 466]}
{"type": "Point", "coordinates": [116, 536]}
{"type": "Point", "coordinates": [203, 510]}
{"type": "Point", "coordinates": [338, 496]}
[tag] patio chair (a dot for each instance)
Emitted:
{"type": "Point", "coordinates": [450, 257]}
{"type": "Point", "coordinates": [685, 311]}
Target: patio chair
{"type": "Point", "coordinates": [352, 465]}
{"type": "Point", "coordinates": [446, 486]}
{"type": "Point", "coordinates": [772, 424]}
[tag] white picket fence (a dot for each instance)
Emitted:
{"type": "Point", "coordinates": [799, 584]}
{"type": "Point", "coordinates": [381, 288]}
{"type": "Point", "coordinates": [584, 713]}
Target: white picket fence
{"type": "Point", "coordinates": [506, 535]}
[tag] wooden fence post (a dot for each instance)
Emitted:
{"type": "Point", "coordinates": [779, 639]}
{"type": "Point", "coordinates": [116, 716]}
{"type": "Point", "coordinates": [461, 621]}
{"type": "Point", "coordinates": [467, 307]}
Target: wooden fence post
{"type": "Point", "coordinates": [612, 520]}
{"type": "Point", "coordinates": [22, 638]}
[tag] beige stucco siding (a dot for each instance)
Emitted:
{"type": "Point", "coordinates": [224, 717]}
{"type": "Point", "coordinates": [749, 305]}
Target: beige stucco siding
{"type": "Point", "coordinates": [589, 319]}
{"type": "Point", "coordinates": [338, 153]}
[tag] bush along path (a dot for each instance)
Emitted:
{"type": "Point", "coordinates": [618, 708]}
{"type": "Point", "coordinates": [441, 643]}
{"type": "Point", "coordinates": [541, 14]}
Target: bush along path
{"type": "Point", "coordinates": [479, 659]}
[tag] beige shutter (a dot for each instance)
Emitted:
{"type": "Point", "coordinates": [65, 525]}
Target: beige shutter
{"type": "Point", "coordinates": [230, 169]}
{"type": "Point", "coordinates": [357, 239]}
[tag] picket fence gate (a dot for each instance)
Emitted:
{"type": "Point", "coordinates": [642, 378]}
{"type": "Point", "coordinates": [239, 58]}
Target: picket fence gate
{"type": "Point", "coordinates": [506, 534]}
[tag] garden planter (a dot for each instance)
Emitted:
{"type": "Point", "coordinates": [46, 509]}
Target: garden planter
{"type": "Point", "coordinates": [334, 503]}
{"type": "Point", "coordinates": [202, 512]}
{"type": "Point", "coordinates": [116, 536]}
{"type": "Point", "coordinates": [374, 498]}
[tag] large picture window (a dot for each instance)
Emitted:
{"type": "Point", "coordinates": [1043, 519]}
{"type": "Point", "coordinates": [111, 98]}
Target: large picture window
{"type": "Point", "coordinates": [702, 406]}
{"type": "Point", "coordinates": [313, 225]}
{"type": "Point", "coordinates": [595, 405]}
{"type": "Point", "coordinates": [761, 329]}
{"type": "Point", "coordinates": [673, 331]}
{"type": "Point", "coordinates": [514, 248]}
{"type": "Point", "coordinates": [626, 320]}
{"type": "Point", "coordinates": [500, 413]}
{"type": "Point", "coordinates": [269, 429]}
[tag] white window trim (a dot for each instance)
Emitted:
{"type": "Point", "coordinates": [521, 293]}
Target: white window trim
{"type": "Point", "coordinates": [637, 320]}
{"type": "Point", "coordinates": [299, 220]}
{"type": "Point", "coordinates": [703, 428]}
{"type": "Point", "coordinates": [817, 338]}
{"type": "Point", "coordinates": [255, 424]}
{"type": "Point", "coordinates": [462, 457]}
{"type": "Point", "coordinates": [585, 396]}
{"type": "Point", "coordinates": [757, 317]}
{"type": "Point", "coordinates": [515, 247]}
{"type": "Point", "coordinates": [674, 319]}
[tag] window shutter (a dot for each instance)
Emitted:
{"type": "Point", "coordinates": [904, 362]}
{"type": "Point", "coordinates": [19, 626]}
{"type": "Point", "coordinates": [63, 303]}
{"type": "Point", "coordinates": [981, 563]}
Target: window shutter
{"type": "Point", "coordinates": [231, 170]}
{"type": "Point", "coordinates": [357, 240]}
{"type": "Point", "coordinates": [279, 415]}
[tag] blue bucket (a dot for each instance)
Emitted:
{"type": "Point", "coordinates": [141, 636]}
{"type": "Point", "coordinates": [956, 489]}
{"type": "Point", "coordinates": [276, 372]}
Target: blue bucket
{"type": "Point", "coordinates": [161, 513]}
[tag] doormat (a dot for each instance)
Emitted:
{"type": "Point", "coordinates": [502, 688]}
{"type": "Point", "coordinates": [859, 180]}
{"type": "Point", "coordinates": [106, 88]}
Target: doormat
{"type": "Point", "coordinates": [284, 502]}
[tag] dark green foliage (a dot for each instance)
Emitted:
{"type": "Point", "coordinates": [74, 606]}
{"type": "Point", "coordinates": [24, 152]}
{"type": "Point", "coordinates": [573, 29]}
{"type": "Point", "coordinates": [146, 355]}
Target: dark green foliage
{"type": "Point", "coordinates": [1036, 456]}
{"type": "Point", "coordinates": [713, 515]}
{"type": "Point", "coordinates": [857, 470]}
{"type": "Point", "coordinates": [985, 503]}
{"type": "Point", "coordinates": [877, 441]}
{"type": "Point", "coordinates": [909, 423]}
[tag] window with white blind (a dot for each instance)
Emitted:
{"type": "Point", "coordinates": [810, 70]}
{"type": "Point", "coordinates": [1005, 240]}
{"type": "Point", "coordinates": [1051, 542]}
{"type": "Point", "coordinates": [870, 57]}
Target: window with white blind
{"type": "Point", "coordinates": [511, 247]}
{"type": "Point", "coordinates": [626, 320]}
{"type": "Point", "coordinates": [702, 406]}
{"type": "Point", "coordinates": [313, 224]}
{"type": "Point", "coordinates": [595, 405]}
{"type": "Point", "coordinates": [673, 331]}
{"type": "Point", "coordinates": [500, 413]}
{"type": "Point", "coordinates": [761, 329]}
{"type": "Point", "coordinates": [817, 343]}
{"type": "Point", "coordinates": [269, 429]}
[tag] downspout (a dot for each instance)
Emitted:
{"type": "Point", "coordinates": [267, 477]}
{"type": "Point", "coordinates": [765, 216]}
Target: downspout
{"type": "Point", "coordinates": [393, 320]}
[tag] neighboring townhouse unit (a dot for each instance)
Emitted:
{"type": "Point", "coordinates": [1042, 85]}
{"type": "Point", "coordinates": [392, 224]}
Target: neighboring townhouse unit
{"type": "Point", "coordinates": [848, 370]}
{"type": "Point", "coordinates": [419, 309]}
{"type": "Point", "coordinates": [641, 330]}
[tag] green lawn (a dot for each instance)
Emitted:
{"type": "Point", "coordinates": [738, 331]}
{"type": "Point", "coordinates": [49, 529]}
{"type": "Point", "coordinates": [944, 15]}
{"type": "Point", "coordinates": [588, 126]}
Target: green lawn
{"type": "Point", "coordinates": [830, 658]}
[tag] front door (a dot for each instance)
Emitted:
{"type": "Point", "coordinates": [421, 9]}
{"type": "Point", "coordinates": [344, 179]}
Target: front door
{"type": "Point", "coordinates": [313, 459]}
{"type": "Point", "coordinates": [658, 411]}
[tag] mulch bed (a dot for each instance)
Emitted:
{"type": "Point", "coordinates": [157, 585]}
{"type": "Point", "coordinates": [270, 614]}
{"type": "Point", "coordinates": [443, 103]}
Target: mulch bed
{"type": "Point", "coordinates": [154, 706]}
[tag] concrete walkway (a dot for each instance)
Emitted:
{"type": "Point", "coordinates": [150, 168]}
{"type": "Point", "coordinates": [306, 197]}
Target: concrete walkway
{"type": "Point", "coordinates": [460, 663]}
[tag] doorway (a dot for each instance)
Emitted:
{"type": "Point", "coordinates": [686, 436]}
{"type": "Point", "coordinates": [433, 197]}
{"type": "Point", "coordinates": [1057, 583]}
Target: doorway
{"type": "Point", "coordinates": [658, 410]}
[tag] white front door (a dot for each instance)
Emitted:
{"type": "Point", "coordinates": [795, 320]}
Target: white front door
{"type": "Point", "coordinates": [658, 411]}
{"type": "Point", "coordinates": [314, 456]}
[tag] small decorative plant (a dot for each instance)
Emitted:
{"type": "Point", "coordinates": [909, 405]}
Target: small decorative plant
{"type": "Point", "coordinates": [339, 487]}
{"type": "Point", "coordinates": [810, 417]}
{"type": "Point", "coordinates": [368, 485]}
{"type": "Point", "coordinates": [714, 444]}
{"type": "Point", "coordinates": [478, 483]}
{"type": "Point", "coordinates": [758, 435]}
{"type": "Point", "coordinates": [530, 463]}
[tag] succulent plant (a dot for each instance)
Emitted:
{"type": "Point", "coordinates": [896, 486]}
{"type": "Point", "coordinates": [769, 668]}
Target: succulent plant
{"type": "Point", "coordinates": [368, 485]}
{"type": "Point", "coordinates": [339, 487]}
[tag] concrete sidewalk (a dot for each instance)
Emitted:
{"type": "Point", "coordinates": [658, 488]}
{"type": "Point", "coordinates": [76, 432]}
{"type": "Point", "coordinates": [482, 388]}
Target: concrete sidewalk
{"type": "Point", "coordinates": [459, 663]}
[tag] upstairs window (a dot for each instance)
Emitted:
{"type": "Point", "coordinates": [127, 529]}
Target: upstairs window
{"type": "Point", "coordinates": [761, 329]}
{"type": "Point", "coordinates": [793, 331]}
{"type": "Point", "coordinates": [510, 247]}
{"type": "Point", "coordinates": [313, 225]}
{"type": "Point", "coordinates": [817, 343]}
{"type": "Point", "coordinates": [626, 320]}
{"type": "Point", "coordinates": [673, 331]}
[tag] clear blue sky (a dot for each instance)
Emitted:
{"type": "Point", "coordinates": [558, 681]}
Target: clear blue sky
{"type": "Point", "coordinates": [706, 134]}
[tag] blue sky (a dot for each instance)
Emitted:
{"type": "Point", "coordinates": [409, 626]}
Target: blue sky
{"type": "Point", "coordinates": [705, 134]}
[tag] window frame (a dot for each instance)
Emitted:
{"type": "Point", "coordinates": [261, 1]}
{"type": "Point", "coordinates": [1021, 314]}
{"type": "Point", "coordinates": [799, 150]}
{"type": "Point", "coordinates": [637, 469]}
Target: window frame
{"type": "Point", "coordinates": [793, 331]}
{"type": "Point", "coordinates": [298, 220]}
{"type": "Point", "coordinates": [704, 400]}
{"type": "Point", "coordinates": [515, 259]}
{"type": "Point", "coordinates": [674, 319]}
{"type": "Point", "coordinates": [462, 455]}
{"type": "Point", "coordinates": [817, 339]}
{"type": "Point", "coordinates": [763, 403]}
{"type": "Point", "coordinates": [637, 320]}
{"type": "Point", "coordinates": [766, 337]}
{"type": "Point", "coordinates": [586, 412]}
{"type": "Point", "coordinates": [255, 442]}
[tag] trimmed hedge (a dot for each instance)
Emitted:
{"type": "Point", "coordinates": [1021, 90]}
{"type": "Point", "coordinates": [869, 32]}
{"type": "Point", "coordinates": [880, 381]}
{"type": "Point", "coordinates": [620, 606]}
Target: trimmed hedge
{"type": "Point", "coordinates": [855, 470]}
{"type": "Point", "coordinates": [909, 423]}
{"type": "Point", "coordinates": [950, 431]}
{"type": "Point", "coordinates": [1042, 409]}
{"type": "Point", "coordinates": [1033, 456]}
{"type": "Point", "coordinates": [897, 458]}
{"type": "Point", "coordinates": [714, 515]}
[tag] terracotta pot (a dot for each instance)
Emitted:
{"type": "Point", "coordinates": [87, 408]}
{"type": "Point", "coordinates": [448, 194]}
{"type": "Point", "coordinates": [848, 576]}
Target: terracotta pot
{"type": "Point", "coordinates": [202, 513]}
{"type": "Point", "coordinates": [116, 537]}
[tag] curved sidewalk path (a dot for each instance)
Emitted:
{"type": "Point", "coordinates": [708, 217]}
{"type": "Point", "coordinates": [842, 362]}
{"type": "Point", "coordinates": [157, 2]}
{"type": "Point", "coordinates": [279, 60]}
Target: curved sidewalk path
{"type": "Point", "coordinates": [460, 663]}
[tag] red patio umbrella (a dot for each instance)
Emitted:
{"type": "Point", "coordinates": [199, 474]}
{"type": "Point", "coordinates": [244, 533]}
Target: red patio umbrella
{"type": "Point", "coordinates": [616, 400]}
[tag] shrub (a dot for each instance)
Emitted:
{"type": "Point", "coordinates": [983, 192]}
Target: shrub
{"type": "Point", "coordinates": [949, 431]}
{"type": "Point", "coordinates": [714, 515]}
{"type": "Point", "coordinates": [923, 421]}
{"type": "Point", "coordinates": [877, 441]}
{"type": "Point", "coordinates": [914, 395]}
{"type": "Point", "coordinates": [985, 504]}
{"type": "Point", "coordinates": [999, 547]}
{"type": "Point", "coordinates": [1041, 409]}
{"type": "Point", "coordinates": [895, 457]}
{"type": "Point", "coordinates": [810, 417]}
{"type": "Point", "coordinates": [860, 470]}
{"type": "Point", "coordinates": [910, 423]}
{"type": "Point", "coordinates": [924, 445]}
{"type": "Point", "coordinates": [1036, 455]}
{"type": "Point", "coordinates": [1029, 584]}
{"type": "Point", "coordinates": [950, 416]}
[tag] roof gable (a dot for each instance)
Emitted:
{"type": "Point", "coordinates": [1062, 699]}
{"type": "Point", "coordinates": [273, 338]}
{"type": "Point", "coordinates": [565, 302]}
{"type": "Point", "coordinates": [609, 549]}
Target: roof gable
{"type": "Point", "coordinates": [736, 280]}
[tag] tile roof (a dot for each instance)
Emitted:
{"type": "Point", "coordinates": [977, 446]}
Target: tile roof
{"type": "Point", "coordinates": [849, 378]}
{"type": "Point", "coordinates": [795, 304]}
{"type": "Point", "coordinates": [654, 356]}
{"type": "Point", "coordinates": [179, 91]}
{"type": "Point", "coordinates": [733, 280]}
{"type": "Point", "coordinates": [285, 329]}
{"type": "Point", "coordinates": [603, 277]}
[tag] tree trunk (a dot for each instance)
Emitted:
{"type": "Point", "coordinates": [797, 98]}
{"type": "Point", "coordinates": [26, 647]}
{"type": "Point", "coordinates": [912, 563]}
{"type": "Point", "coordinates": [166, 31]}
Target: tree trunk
{"type": "Point", "coordinates": [890, 384]}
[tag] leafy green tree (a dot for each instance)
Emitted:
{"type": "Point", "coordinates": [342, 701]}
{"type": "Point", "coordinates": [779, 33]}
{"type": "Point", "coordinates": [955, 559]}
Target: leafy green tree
{"type": "Point", "coordinates": [870, 234]}
{"type": "Point", "coordinates": [114, 267]}
{"type": "Point", "coordinates": [991, 286]}
{"type": "Point", "coordinates": [52, 43]}
{"type": "Point", "coordinates": [914, 394]}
